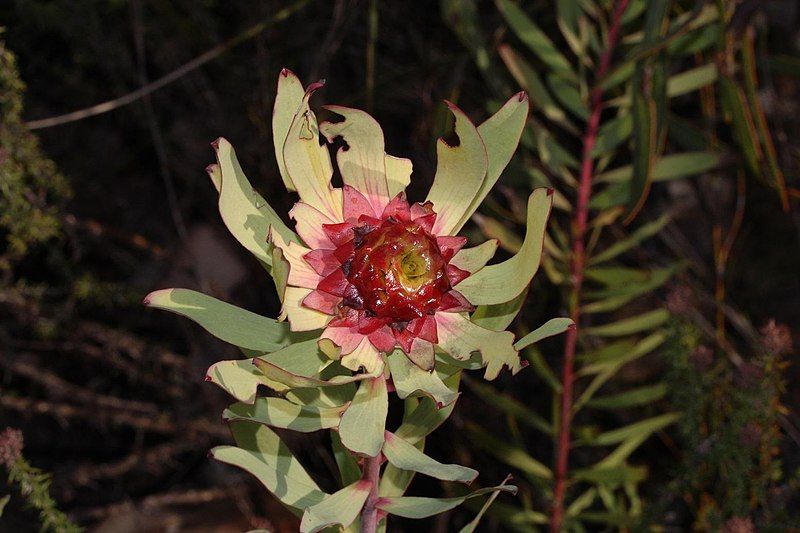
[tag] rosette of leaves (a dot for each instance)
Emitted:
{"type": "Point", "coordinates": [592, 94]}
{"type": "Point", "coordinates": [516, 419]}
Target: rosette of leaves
{"type": "Point", "coordinates": [381, 299]}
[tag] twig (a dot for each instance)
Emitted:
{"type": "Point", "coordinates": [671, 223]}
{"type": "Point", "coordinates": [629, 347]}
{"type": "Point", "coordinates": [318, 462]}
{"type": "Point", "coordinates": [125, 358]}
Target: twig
{"type": "Point", "coordinates": [577, 269]}
{"type": "Point", "coordinates": [152, 123]}
{"type": "Point", "coordinates": [175, 75]}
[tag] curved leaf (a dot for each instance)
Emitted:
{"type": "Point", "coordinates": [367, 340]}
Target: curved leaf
{"type": "Point", "coordinates": [460, 172]}
{"type": "Point", "coordinates": [405, 456]}
{"type": "Point", "coordinates": [225, 321]}
{"type": "Point", "coordinates": [500, 283]}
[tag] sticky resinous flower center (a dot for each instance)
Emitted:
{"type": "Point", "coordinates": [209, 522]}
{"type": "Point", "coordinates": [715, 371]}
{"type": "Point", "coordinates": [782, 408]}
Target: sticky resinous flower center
{"type": "Point", "coordinates": [398, 271]}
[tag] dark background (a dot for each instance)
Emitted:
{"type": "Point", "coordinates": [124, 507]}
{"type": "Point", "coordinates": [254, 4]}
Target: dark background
{"type": "Point", "coordinates": [109, 395]}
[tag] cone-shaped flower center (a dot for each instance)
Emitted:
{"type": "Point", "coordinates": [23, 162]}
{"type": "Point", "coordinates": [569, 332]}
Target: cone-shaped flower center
{"type": "Point", "coordinates": [398, 271]}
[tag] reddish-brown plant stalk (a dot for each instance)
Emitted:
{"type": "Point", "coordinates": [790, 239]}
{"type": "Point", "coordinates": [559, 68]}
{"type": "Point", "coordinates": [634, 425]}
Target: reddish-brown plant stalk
{"type": "Point", "coordinates": [371, 471]}
{"type": "Point", "coordinates": [577, 267]}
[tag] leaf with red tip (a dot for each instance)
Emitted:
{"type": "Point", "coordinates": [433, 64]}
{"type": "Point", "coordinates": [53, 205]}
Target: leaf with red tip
{"type": "Point", "coordinates": [245, 213]}
{"type": "Point", "coordinates": [308, 164]}
{"type": "Point", "coordinates": [288, 99]}
{"type": "Point", "coordinates": [424, 328]}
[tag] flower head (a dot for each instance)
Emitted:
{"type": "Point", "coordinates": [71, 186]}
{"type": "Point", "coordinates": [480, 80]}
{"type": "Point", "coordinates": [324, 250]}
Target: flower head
{"type": "Point", "coordinates": [374, 272]}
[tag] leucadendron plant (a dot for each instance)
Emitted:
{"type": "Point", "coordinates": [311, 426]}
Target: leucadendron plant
{"type": "Point", "coordinates": [380, 299]}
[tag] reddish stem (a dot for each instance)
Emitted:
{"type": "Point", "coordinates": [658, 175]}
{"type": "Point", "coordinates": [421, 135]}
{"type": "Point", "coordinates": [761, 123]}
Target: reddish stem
{"type": "Point", "coordinates": [577, 268]}
{"type": "Point", "coordinates": [370, 515]}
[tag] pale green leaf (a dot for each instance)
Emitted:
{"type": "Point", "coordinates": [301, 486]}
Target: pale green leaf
{"type": "Point", "coordinates": [426, 417]}
{"type": "Point", "coordinates": [280, 413]}
{"type": "Point", "coordinates": [338, 509]}
{"type": "Point", "coordinates": [409, 380]}
{"type": "Point", "coordinates": [496, 284]}
{"type": "Point", "coordinates": [500, 134]}
{"type": "Point", "coordinates": [347, 464]}
{"type": "Point", "coordinates": [474, 258]}
{"type": "Point", "coordinates": [460, 173]}
{"type": "Point", "coordinates": [364, 422]}
{"type": "Point", "coordinates": [287, 102]}
{"type": "Point", "coordinates": [470, 528]}
{"type": "Point", "coordinates": [261, 453]}
{"type": "Point", "coordinates": [405, 456]}
{"type": "Point", "coordinates": [245, 212]}
{"type": "Point", "coordinates": [309, 164]}
{"type": "Point", "coordinates": [460, 338]}
{"type": "Point", "coordinates": [498, 317]}
{"type": "Point", "coordinates": [291, 380]}
{"type": "Point", "coordinates": [554, 326]}
{"type": "Point", "coordinates": [363, 163]}
{"type": "Point", "coordinates": [225, 321]}
{"type": "Point", "coordinates": [420, 507]}
{"type": "Point", "coordinates": [627, 326]}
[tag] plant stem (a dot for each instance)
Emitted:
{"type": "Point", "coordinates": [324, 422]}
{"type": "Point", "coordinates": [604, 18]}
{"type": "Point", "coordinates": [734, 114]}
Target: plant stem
{"type": "Point", "coordinates": [577, 267]}
{"type": "Point", "coordinates": [369, 514]}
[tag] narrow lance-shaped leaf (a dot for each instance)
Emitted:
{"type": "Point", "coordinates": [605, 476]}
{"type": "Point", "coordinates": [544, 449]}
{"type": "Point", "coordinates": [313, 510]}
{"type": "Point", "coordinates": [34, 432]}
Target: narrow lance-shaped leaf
{"type": "Point", "coordinates": [246, 214]}
{"type": "Point", "coordinates": [404, 455]}
{"type": "Point", "coordinates": [500, 134]}
{"type": "Point", "coordinates": [261, 452]}
{"type": "Point", "coordinates": [509, 454]}
{"type": "Point", "coordinates": [628, 326]}
{"type": "Point", "coordinates": [287, 101]}
{"type": "Point", "coordinates": [460, 173]}
{"type": "Point", "coordinates": [225, 321]}
{"type": "Point", "coordinates": [241, 377]}
{"type": "Point", "coordinates": [554, 326]}
{"type": "Point", "coordinates": [538, 42]}
{"type": "Point", "coordinates": [419, 507]}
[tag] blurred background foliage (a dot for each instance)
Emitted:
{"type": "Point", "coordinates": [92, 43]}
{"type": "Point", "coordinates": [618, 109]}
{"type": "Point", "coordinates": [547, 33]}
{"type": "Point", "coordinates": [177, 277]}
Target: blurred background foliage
{"type": "Point", "coordinates": [682, 414]}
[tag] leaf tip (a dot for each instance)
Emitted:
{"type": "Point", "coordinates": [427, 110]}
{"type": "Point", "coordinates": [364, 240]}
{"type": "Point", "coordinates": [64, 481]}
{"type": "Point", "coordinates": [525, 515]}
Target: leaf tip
{"type": "Point", "coordinates": [522, 96]}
